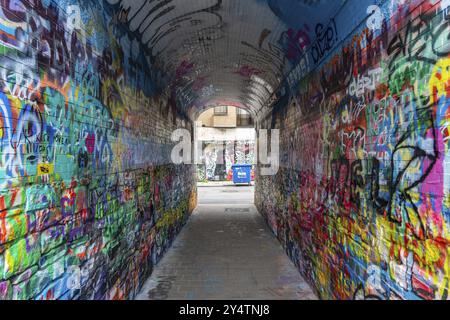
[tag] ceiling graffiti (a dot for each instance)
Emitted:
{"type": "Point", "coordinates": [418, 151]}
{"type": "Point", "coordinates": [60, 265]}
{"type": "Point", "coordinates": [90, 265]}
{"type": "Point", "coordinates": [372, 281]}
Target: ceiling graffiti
{"type": "Point", "coordinates": [213, 52]}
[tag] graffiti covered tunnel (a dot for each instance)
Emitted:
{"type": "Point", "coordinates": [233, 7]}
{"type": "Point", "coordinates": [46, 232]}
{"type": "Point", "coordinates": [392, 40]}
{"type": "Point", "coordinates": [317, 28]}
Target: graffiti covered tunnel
{"type": "Point", "coordinates": [91, 91]}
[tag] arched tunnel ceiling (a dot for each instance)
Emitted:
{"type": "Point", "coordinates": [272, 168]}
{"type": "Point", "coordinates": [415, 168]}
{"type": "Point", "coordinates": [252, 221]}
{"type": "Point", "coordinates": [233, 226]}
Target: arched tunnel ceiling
{"type": "Point", "coordinates": [223, 52]}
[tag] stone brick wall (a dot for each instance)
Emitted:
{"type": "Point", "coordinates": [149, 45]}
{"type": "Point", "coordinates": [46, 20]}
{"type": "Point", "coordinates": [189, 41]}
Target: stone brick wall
{"type": "Point", "coordinates": [89, 200]}
{"type": "Point", "coordinates": [362, 201]}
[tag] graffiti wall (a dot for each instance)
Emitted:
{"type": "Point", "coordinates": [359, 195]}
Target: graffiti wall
{"type": "Point", "coordinates": [362, 201]}
{"type": "Point", "coordinates": [218, 157]}
{"type": "Point", "coordinates": [89, 201]}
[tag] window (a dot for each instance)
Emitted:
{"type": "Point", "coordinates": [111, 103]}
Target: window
{"type": "Point", "coordinates": [221, 111]}
{"type": "Point", "coordinates": [244, 118]}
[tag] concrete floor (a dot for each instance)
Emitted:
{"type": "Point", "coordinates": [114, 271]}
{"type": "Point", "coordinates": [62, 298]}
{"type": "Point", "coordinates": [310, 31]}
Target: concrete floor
{"type": "Point", "coordinates": [227, 252]}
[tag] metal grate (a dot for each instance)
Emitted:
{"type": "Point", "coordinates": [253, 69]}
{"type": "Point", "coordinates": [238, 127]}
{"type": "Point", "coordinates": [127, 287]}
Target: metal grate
{"type": "Point", "coordinates": [237, 210]}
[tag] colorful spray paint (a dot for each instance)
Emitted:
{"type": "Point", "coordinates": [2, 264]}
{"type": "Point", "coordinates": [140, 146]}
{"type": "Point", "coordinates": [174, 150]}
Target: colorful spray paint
{"type": "Point", "coordinates": [89, 201]}
{"type": "Point", "coordinates": [361, 203]}
{"type": "Point", "coordinates": [218, 157]}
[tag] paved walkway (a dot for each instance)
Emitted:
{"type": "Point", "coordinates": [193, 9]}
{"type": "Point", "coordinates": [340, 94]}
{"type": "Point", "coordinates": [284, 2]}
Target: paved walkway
{"type": "Point", "coordinates": [225, 252]}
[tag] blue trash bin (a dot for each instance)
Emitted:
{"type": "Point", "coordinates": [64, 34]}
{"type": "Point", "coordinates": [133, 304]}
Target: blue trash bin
{"type": "Point", "coordinates": [242, 173]}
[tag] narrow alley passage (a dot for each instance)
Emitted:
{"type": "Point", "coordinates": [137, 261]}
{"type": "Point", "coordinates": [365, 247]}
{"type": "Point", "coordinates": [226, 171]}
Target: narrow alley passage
{"type": "Point", "coordinates": [111, 112]}
{"type": "Point", "coordinates": [226, 251]}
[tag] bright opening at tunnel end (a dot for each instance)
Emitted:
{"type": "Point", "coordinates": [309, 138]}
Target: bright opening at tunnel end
{"type": "Point", "coordinates": [268, 159]}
